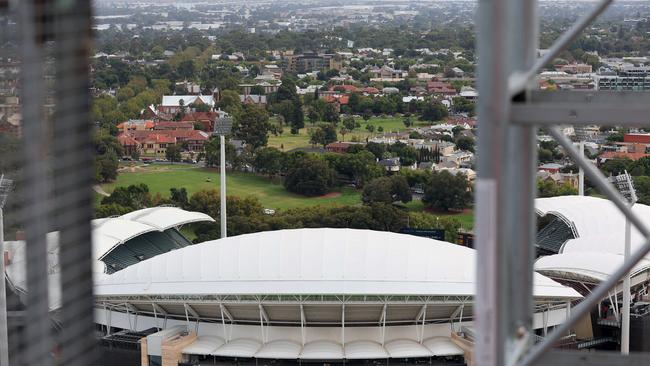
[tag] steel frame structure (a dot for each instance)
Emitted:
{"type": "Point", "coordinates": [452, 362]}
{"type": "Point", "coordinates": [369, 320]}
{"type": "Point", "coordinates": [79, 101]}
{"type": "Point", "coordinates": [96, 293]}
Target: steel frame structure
{"type": "Point", "coordinates": [509, 111]}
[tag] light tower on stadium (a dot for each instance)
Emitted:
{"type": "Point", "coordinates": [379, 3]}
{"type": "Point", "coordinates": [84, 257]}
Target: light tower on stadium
{"type": "Point", "coordinates": [581, 135]}
{"type": "Point", "coordinates": [223, 126]}
{"type": "Point", "coordinates": [625, 186]}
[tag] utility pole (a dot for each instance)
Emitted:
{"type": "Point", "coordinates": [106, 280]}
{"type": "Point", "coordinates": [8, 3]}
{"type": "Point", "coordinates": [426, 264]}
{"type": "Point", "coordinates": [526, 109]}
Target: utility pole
{"type": "Point", "coordinates": [5, 187]}
{"type": "Point", "coordinates": [222, 127]}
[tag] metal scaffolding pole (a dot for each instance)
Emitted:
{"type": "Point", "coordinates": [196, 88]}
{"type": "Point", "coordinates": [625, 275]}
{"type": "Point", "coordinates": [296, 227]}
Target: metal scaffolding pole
{"type": "Point", "coordinates": [507, 34]}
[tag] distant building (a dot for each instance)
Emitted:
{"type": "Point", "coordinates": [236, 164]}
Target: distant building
{"type": "Point", "coordinates": [171, 104]}
{"type": "Point", "coordinates": [259, 100]}
{"type": "Point", "coordinates": [575, 68]}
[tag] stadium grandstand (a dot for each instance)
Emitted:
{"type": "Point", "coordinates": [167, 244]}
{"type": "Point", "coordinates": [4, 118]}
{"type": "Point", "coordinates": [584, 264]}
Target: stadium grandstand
{"type": "Point", "coordinates": [330, 295]}
{"type": "Point", "coordinates": [585, 239]}
{"type": "Point", "coordinates": [307, 295]}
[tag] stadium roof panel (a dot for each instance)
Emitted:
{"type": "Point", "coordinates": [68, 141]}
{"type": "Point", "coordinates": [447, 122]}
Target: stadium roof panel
{"type": "Point", "coordinates": [442, 346]}
{"type": "Point", "coordinates": [406, 348]}
{"type": "Point", "coordinates": [311, 261]}
{"type": "Point", "coordinates": [322, 350]}
{"type": "Point", "coordinates": [364, 350]}
{"type": "Point", "coordinates": [204, 345]}
{"type": "Point", "coordinates": [280, 350]}
{"type": "Point", "coordinates": [590, 267]}
{"type": "Point", "coordinates": [599, 224]}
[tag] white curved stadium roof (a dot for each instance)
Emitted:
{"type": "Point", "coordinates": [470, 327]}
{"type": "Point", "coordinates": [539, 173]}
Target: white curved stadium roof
{"type": "Point", "coordinates": [442, 346]}
{"type": "Point", "coordinates": [598, 222]}
{"type": "Point", "coordinates": [204, 345]}
{"type": "Point", "coordinates": [322, 350]}
{"type": "Point", "coordinates": [588, 267]}
{"type": "Point", "coordinates": [599, 248]}
{"type": "Point", "coordinates": [280, 350]}
{"type": "Point", "coordinates": [310, 261]}
{"type": "Point", "coordinates": [108, 233]}
{"type": "Point", "coordinates": [364, 350]}
{"type": "Point", "coordinates": [406, 348]}
{"type": "Point", "coordinates": [243, 347]}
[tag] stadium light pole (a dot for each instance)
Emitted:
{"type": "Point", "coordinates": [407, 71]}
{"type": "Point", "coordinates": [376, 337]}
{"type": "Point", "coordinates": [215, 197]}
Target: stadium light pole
{"type": "Point", "coordinates": [222, 127]}
{"type": "Point", "coordinates": [5, 187]}
{"type": "Point", "coordinates": [581, 172]}
{"type": "Point", "coordinates": [625, 186]}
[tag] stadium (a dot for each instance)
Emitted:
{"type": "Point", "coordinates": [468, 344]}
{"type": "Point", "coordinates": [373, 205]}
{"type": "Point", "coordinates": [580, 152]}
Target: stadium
{"type": "Point", "coordinates": [307, 295]}
{"type": "Point", "coordinates": [581, 241]}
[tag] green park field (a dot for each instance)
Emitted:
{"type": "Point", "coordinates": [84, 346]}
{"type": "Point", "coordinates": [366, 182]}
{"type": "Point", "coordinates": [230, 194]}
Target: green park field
{"type": "Point", "coordinates": [161, 177]}
{"type": "Point", "coordinates": [287, 141]}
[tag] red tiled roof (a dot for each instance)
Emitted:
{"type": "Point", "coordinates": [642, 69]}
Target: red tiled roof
{"type": "Point", "coordinates": [342, 100]}
{"type": "Point", "coordinates": [200, 116]}
{"type": "Point", "coordinates": [621, 154]}
{"type": "Point", "coordinates": [345, 88]}
{"type": "Point", "coordinates": [174, 124]}
{"type": "Point", "coordinates": [371, 90]}
{"type": "Point", "coordinates": [126, 139]}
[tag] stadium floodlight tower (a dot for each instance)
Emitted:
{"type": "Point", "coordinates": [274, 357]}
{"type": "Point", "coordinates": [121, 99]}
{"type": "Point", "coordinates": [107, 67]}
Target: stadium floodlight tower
{"type": "Point", "coordinates": [5, 187]}
{"type": "Point", "coordinates": [222, 127]}
{"type": "Point", "coordinates": [581, 135]}
{"type": "Point", "coordinates": [625, 186]}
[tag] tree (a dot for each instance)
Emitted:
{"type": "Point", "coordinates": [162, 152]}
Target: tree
{"type": "Point", "coordinates": [179, 197]}
{"type": "Point", "coordinates": [313, 115]}
{"type": "Point", "coordinates": [547, 188]}
{"type": "Point", "coordinates": [212, 152]}
{"type": "Point", "coordinates": [434, 112]}
{"type": "Point", "coordinates": [134, 197]}
{"type": "Point", "coordinates": [173, 153]}
{"type": "Point", "coordinates": [230, 102]}
{"type": "Point", "coordinates": [387, 190]}
{"type": "Point", "coordinates": [310, 176]}
{"type": "Point", "coordinates": [331, 114]}
{"type": "Point", "coordinates": [325, 134]}
{"type": "Point", "coordinates": [465, 143]}
{"type": "Point", "coordinates": [349, 123]}
{"type": "Point", "coordinates": [445, 191]}
{"type": "Point", "coordinates": [252, 125]}
{"type": "Point", "coordinates": [407, 121]}
{"type": "Point", "coordinates": [367, 114]}
{"type": "Point", "coordinates": [269, 161]}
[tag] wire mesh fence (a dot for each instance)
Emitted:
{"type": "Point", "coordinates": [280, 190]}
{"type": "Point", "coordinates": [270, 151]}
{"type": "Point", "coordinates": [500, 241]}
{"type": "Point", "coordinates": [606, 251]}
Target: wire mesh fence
{"type": "Point", "coordinates": [45, 137]}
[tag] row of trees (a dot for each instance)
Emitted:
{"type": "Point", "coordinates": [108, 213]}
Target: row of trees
{"type": "Point", "coordinates": [246, 215]}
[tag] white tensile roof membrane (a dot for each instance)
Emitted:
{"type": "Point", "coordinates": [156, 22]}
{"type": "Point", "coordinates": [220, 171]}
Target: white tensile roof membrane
{"type": "Point", "coordinates": [204, 345]}
{"type": "Point", "coordinates": [599, 248]}
{"type": "Point", "coordinates": [311, 261]}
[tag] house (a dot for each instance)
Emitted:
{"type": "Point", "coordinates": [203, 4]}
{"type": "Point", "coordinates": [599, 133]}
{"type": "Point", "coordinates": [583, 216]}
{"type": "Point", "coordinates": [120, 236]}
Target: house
{"type": "Point", "coordinates": [469, 93]}
{"type": "Point", "coordinates": [551, 167]}
{"type": "Point", "coordinates": [642, 138]}
{"type": "Point", "coordinates": [155, 144]}
{"type": "Point", "coordinates": [390, 90]}
{"type": "Point", "coordinates": [427, 165]}
{"type": "Point", "coordinates": [136, 125]}
{"type": "Point", "coordinates": [459, 157]}
{"type": "Point", "coordinates": [440, 87]}
{"type": "Point", "coordinates": [171, 104]}
{"type": "Point", "coordinates": [345, 88]}
{"type": "Point", "coordinates": [191, 87]}
{"type": "Point", "coordinates": [205, 119]}
{"type": "Point", "coordinates": [390, 164]}
{"type": "Point", "coordinates": [340, 147]}
{"type": "Point", "coordinates": [129, 143]}
{"type": "Point", "coordinates": [259, 100]}
{"type": "Point", "coordinates": [458, 72]}
{"type": "Point", "coordinates": [571, 179]}
{"type": "Point", "coordinates": [469, 173]}
{"type": "Point", "coordinates": [173, 126]}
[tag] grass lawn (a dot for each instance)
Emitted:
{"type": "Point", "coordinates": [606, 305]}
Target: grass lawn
{"type": "Point", "coordinates": [466, 217]}
{"type": "Point", "coordinates": [389, 124]}
{"type": "Point", "coordinates": [160, 178]}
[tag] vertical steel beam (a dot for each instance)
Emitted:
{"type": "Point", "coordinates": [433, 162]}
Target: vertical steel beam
{"type": "Point", "coordinates": [38, 343]}
{"type": "Point", "coordinates": [4, 334]}
{"type": "Point", "coordinates": [73, 179]}
{"type": "Point", "coordinates": [625, 321]}
{"type": "Point", "coordinates": [506, 40]}
{"type": "Point", "coordinates": [581, 172]}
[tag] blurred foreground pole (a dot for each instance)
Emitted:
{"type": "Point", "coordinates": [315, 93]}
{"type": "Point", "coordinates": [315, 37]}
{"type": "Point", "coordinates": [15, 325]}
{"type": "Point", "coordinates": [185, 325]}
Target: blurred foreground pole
{"type": "Point", "coordinates": [505, 190]}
